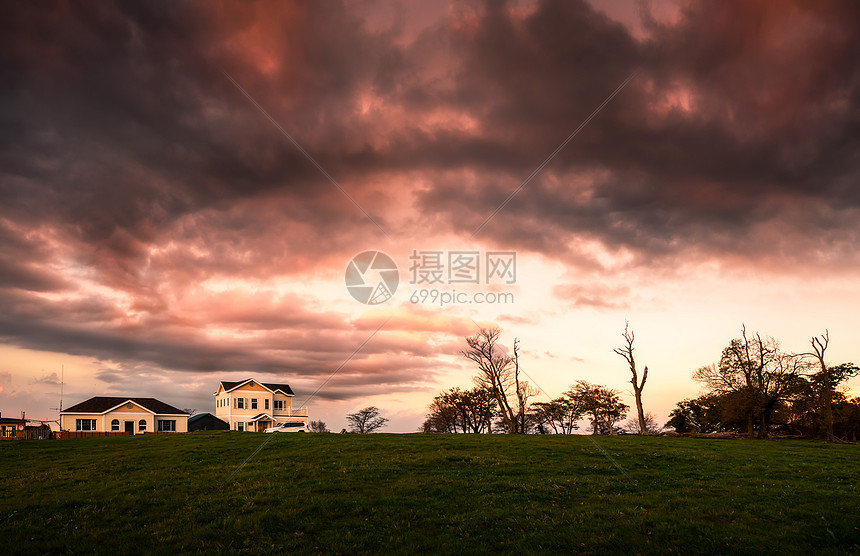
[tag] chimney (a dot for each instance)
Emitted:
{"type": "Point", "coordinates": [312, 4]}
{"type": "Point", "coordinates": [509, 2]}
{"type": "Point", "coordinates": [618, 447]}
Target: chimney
{"type": "Point", "coordinates": [22, 415]}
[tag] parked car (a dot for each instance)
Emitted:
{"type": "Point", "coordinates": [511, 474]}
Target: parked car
{"type": "Point", "coordinates": [289, 426]}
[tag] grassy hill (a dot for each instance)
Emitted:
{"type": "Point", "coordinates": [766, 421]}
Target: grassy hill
{"type": "Point", "coordinates": [427, 494]}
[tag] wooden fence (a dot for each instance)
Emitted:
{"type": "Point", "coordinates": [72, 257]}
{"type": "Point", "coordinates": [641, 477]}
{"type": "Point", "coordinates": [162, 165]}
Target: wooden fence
{"type": "Point", "coordinates": [87, 434]}
{"type": "Point", "coordinates": [30, 434]}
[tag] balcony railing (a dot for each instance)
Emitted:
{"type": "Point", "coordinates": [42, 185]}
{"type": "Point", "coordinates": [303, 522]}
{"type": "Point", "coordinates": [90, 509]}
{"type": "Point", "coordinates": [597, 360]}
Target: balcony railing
{"type": "Point", "coordinates": [291, 412]}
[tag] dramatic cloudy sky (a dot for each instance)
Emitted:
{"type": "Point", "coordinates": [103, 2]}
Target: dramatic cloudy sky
{"type": "Point", "coordinates": [160, 233]}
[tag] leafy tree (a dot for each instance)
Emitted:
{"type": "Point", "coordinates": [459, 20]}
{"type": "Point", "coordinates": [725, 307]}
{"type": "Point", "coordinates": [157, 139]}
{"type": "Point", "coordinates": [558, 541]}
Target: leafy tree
{"type": "Point", "coordinates": [456, 410]}
{"type": "Point", "coordinates": [476, 408]}
{"type": "Point", "coordinates": [366, 420]}
{"type": "Point", "coordinates": [602, 405]}
{"type": "Point", "coordinates": [846, 419]}
{"type": "Point", "coordinates": [317, 426]}
{"type": "Point", "coordinates": [755, 377]}
{"type": "Point", "coordinates": [442, 416]}
{"type": "Point", "coordinates": [806, 413]}
{"type": "Point", "coordinates": [559, 416]}
{"type": "Point", "coordinates": [703, 414]}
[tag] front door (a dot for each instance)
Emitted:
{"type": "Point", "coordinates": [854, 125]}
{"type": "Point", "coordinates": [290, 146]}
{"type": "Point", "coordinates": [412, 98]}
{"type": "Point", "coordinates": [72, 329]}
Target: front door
{"type": "Point", "coordinates": [129, 427]}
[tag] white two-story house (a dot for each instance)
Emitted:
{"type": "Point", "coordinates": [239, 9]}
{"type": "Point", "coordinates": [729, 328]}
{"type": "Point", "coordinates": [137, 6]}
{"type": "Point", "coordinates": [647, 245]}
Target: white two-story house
{"type": "Point", "coordinates": [249, 405]}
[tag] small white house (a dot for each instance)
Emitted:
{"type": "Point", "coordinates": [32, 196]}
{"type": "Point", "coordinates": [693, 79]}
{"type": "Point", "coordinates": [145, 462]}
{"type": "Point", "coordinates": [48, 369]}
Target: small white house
{"type": "Point", "coordinates": [121, 414]}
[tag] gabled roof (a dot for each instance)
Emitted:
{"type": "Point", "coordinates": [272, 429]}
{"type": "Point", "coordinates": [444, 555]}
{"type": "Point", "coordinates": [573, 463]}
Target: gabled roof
{"type": "Point", "coordinates": [265, 416]}
{"type": "Point", "coordinates": [284, 388]}
{"type": "Point", "coordinates": [103, 404]}
{"type": "Point", "coordinates": [12, 420]}
{"type": "Point", "coordinates": [198, 416]}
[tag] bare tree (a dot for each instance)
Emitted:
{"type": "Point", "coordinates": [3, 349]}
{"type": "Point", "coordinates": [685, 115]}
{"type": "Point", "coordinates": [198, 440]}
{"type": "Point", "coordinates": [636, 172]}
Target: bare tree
{"type": "Point", "coordinates": [626, 351]}
{"type": "Point", "coordinates": [828, 378]}
{"type": "Point", "coordinates": [652, 426]}
{"type": "Point", "coordinates": [317, 426]}
{"type": "Point", "coordinates": [500, 374]}
{"type": "Point", "coordinates": [524, 391]}
{"type": "Point", "coordinates": [819, 345]}
{"type": "Point", "coordinates": [366, 420]}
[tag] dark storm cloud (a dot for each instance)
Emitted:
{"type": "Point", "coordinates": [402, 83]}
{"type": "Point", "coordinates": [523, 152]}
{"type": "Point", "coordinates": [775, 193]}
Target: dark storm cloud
{"type": "Point", "coordinates": [119, 121]}
{"type": "Point", "coordinates": [129, 163]}
{"type": "Point", "coordinates": [769, 138]}
{"type": "Point", "coordinates": [122, 136]}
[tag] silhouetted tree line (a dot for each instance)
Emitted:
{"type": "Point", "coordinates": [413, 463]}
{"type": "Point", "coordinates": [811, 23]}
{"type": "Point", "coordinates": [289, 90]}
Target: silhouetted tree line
{"type": "Point", "coordinates": [499, 402]}
{"type": "Point", "coordinates": [760, 390]}
{"type": "Point", "coordinates": [476, 411]}
{"type": "Point", "coordinates": [756, 389]}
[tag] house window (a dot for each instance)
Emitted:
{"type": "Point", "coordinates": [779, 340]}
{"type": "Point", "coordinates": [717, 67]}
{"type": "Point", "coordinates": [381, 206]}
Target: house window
{"type": "Point", "coordinates": [253, 403]}
{"type": "Point", "coordinates": [266, 401]}
{"type": "Point", "coordinates": [166, 426]}
{"type": "Point", "coordinates": [114, 425]}
{"type": "Point", "coordinates": [240, 426]}
{"type": "Point", "coordinates": [85, 424]}
{"type": "Point", "coordinates": [240, 403]}
{"type": "Point", "coordinates": [279, 405]}
{"type": "Point", "coordinates": [141, 425]}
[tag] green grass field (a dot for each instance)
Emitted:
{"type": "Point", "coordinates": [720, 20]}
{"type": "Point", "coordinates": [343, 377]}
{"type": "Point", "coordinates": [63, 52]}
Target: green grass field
{"type": "Point", "coordinates": [427, 494]}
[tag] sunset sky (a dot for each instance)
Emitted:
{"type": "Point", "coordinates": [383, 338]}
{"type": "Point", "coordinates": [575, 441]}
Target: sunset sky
{"type": "Point", "coordinates": [160, 230]}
